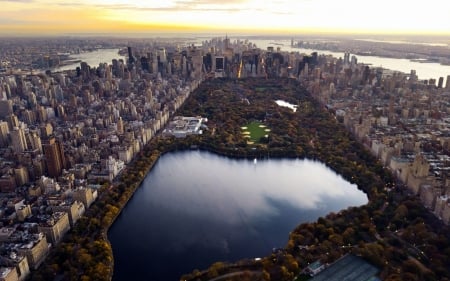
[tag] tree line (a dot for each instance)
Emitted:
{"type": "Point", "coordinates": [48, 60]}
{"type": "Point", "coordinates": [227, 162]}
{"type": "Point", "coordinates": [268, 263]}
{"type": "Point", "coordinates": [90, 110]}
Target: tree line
{"type": "Point", "coordinates": [393, 231]}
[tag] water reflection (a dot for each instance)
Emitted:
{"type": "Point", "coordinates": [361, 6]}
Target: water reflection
{"type": "Point", "coordinates": [197, 207]}
{"type": "Point", "coordinates": [93, 59]}
{"type": "Point", "coordinates": [423, 70]}
{"type": "Point", "coordinates": [286, 104]}
{"type": "Point", "coordinates": [200, 181]}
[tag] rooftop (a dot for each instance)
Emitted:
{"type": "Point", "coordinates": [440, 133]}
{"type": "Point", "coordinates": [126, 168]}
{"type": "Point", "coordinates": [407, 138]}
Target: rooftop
{"type": "Point", "coordinates": [348, 268]}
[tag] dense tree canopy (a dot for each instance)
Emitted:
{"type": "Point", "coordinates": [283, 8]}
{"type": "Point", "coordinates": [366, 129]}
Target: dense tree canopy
{"type": "Point", "coordinates": [393, 231]}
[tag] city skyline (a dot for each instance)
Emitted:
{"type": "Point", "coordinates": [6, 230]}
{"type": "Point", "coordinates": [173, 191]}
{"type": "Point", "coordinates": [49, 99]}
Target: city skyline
{"type": "Point", "coordinates": [65, 17]}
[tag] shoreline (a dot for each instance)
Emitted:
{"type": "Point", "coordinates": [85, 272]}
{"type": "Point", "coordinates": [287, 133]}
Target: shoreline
{"type": "Point", "coordinates": [365, 171]}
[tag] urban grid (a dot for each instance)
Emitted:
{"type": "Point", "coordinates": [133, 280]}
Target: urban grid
{"type": "Point", "coordinates": [64, 133]}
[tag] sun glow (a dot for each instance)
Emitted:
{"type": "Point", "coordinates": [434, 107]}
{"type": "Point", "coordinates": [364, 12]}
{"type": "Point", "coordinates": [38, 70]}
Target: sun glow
{"type": "Point", "coordinates": [283, 16]}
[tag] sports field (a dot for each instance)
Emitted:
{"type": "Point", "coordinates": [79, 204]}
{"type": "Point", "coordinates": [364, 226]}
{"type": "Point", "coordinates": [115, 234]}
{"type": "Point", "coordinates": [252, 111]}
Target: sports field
{"type": "Point", "coordinates": [254, 131]}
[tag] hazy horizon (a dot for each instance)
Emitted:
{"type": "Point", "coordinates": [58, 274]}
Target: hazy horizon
{"type": "Point", "coordinates": [249, 35]}
{"type": "Point", "coordinates": [283, 17]}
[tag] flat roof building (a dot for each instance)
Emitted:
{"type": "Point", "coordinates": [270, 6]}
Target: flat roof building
{"type": "Point", "coordinates": [348, 268]}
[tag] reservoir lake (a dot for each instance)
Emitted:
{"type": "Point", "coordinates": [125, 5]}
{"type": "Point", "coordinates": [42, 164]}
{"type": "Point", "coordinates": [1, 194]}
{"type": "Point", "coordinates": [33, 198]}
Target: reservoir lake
{"type": "Point", "coordinates": [195, 208]}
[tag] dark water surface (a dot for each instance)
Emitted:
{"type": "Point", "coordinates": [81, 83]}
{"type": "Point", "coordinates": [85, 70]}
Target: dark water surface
{"type": "Point", "coordinates": [195, 208]}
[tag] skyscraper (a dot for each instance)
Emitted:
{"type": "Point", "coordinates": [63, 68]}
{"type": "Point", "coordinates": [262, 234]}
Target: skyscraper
{"type": "Point", "coordinates": [161, 53]}
{"type": "Point", "coordinates": [226, 42]}
{"type": "Point", "coordinates": [85, 69]}
{"type": "Point", "coordinates": [34, 141]}
{"type": "Point", "coordinates": [6, 108]}
{"type": "Point", "coordinates": [54, 157]}
{"type": "Point", "coordinates": [441, 82]}
{"type": "Point", "coordinates": [4, 132]}
{"type": "Point", "coordinates": [145, 64]}
{"type": "Point", "coordinates": [130, 56]}
{"type": "Point", "coordinates": [18, 140]}
{"type": "Point", "coordinates": [219, 66]}
{"type": "Point", "coordinates": [220, 63]}
{"type": "Point", "coordinates": [346, 58]}
{"type": "Point", "coordinates": [120, 128]}
{"type": "Point", "coordinates": [13, 121]}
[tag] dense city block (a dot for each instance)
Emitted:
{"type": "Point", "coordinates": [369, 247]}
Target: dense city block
{"type": "Point", "coordinates": [76, 143]}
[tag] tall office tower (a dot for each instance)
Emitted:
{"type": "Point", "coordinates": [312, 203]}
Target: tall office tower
{"type": "Point", "coordinates": [121, 69]}
{"type": "Point", "coordinates": [317, 73]}
{"type": "Point", "coordinates": [169, 68]}
{"type": "Point", "coordinates": [46, 130]}
{"type": "Point", "coordinates": [5, 91]}
{"type": "Point", "coordinates": [18, 140]}
{"type": "Point", "coordinates": [145, 64]}
{"type": "Point", "coordinates": [131, 59]}
{"type": "Point", "coordinates": [219, 64]}
{"type": "Point", "coordinates": [379, 75]}
{"type": "Point", "coordinates": [4, 132]}
{"type": "Point", "coordinates": [31, 99]}
{"type": "Point", "coordinates": [150, 60]}
{"type": "Point", "coordinates": [413, 75]}
{"type": "Point", "coordinates": [120, 128]}
{"type": "Point", "coordinates": [60, 112]}
{"type": "Point", "coordinates": [34, 141]}
{"type": "Point", "coordinates": [19, 84]}
{"type": "Point", "coordinates": [183, 65]}
{"type": "Point", "coordinates": [108, 73]}
{"type": "Point", "coordinates": [154, 64]}
{"type": "Point", "coordinates": [207, 61]}
{"type": "Point", "coordinates": [21, 175]}
{"type": "Point", "coordinates": [115, 68]}
{"type": "Point", "coordinates": [366, 74]}
{"type": "Point", "coordinates": [353, 61]}
{"type": "Point", "coordinates": [161, 53]}
{"type": "Point", "coordinates": [441, 82]}
{"type": "Point", "coordinates": [346, 58]}
{"type": "Point", "coordinates": [13, 121]}
{"type": "Point", "coordinates": [306, 70]}
{"type": "Point", "coordinates": [42, 115]}
{"type": "Point", "coordinates": [29, 117]}
{"type": "Point", "coordinates": [256, 62]}
{"type": "Point", "coordinates": [149, 95]}
{"type": "Point", "coordinates": [226, 42]}
{"type": "Point", "coordinates": [54, 157]}
{"type": "Point", "coordinates": [85, 69]}
{"type": "Point", "coordinates": [6, 108]}
{"type": "Point", "coordinates": [432, 82]}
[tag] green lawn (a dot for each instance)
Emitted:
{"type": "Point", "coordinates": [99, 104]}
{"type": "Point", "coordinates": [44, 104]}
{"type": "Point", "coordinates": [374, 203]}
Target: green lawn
{"type": "Point", "coordinates": [256, 130]}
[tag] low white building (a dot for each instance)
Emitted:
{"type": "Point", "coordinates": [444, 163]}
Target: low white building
{"type": "Point", "coordinates": [181, 126]}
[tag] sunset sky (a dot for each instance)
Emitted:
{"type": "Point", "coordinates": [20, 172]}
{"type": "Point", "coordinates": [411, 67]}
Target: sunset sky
{"type": "Point", "coordinates": [54, 17]}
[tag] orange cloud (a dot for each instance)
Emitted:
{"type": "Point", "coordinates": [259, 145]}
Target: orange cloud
{"type": "Point", "coordinates": [243, 16]}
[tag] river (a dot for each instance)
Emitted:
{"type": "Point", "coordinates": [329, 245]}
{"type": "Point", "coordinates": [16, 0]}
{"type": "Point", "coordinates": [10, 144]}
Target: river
{"type": "Point", "coordinates": [195, 208]}
{"type": "Point", "coordinates": [423, 70]}
{"type": "Point", "coordinates": [93, 58]}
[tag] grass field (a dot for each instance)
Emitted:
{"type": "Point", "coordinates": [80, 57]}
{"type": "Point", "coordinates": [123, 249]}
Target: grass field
{"type": "Point", "coordinates": [254, 131]}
